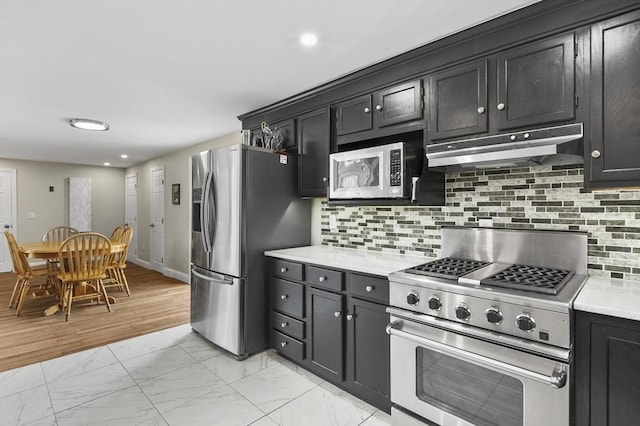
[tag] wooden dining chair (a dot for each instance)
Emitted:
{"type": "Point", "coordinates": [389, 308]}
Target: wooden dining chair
{"type": "Point", "coordinates": [115, 271]}
{"type": "Point", "coordinates": [83, 262]}
{"type": "Point", "coordinates": [25, 273]}
{"type": "Point", "coordinates": [58, 234]}
{"type": "Point", "coordinates": [116, 235]}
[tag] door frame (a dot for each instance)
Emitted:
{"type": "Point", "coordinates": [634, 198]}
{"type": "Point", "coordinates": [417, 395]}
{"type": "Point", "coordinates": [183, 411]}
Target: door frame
{"type": "Point", "coordinates": [156, 267]}
{"type": "Point", "coordinates": [132, 257]}
{"type": "Point", "coordinates": [14, 211]}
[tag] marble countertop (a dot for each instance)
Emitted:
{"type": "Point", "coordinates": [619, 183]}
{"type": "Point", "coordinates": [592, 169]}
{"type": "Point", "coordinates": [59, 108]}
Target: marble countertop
{"type": "Point", "coordinates": [369, 262]}
{"type": "Point", "coordinates": [606, 296]}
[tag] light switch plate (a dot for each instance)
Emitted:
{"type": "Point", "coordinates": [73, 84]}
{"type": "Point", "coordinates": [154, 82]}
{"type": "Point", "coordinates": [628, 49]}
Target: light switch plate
{"type": "Point", "coordinates": [31, 215]}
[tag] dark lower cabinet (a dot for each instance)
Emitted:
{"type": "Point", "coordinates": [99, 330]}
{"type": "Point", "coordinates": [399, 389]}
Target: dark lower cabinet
{"type": "Point", "coordinates": [367, 350]}
{"type": "Point", "coordinates": [313, 150]}
{"type": "Point", "coordinates": [324, 325]}
{"type": "Point", "coordinates": [607, 359]}
{"type": "Point", "coordinates": [612, 154]}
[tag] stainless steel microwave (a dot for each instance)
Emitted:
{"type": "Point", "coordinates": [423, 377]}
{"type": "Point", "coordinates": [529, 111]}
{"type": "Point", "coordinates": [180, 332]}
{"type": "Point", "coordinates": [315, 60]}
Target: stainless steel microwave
{"type": "Point", "coordinates": [385, 171]}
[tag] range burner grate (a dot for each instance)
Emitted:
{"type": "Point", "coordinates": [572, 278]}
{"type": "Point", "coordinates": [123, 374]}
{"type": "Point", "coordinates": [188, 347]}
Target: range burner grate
{"type": "Point", "coordinates": [448, 268]}
{"type": "Point", "coordinates": [530, 278]}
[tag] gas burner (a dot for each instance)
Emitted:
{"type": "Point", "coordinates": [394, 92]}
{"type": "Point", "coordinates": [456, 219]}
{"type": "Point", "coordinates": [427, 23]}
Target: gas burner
{"type": "Point", "coordinates": [530, 278]}
{"type": "Point", "coordinates": [447, 268]}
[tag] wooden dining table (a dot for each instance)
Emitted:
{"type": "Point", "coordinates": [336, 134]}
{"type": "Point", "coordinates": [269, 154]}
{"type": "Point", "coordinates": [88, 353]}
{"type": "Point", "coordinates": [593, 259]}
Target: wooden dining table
{"type": "Point", "coordinates": [49, 250]}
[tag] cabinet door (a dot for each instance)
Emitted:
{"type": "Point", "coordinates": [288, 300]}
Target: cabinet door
{"type": "Point", "coordinates": [398, 104]}
{"type": "Point", "coordinates": [613, 157]}
{"type": "Point", "coordinates": [608, 370]}
{"type": "Point", "coordinates": [368, 351]}
{"type": "Point", "coordinates": [324, 333]}
{"type": "Point", "coordinates": [353, 115]}
{"type": "Point", "coordinates": [458, 101]}
{"type": "Point", "coordinates": [536, 83]}
{"type": "Point", "coordinates": [313, 150]}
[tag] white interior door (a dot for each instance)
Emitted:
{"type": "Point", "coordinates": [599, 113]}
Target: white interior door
{"type": "Point", "coordinates": [8, 214]}
{"type": "Point", "coordinates": [131, 213]}
{"type": "Point", "coordinates": [156, 245]}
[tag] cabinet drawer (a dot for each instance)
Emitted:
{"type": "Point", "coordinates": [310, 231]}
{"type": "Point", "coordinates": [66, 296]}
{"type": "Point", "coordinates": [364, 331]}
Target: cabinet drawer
{"type": "Point", "coordinates": [368, 287]}
{"type": "Point", "coordinates": [286, 269]}
{"type": "Point", "coordinates": [327, 278]}
{"type": "Point", "coordinates": [288, 346]}
{"type": "Point", "coordinates": [287, 297]}
{"type": "Point", "coordinates": [287, 325]}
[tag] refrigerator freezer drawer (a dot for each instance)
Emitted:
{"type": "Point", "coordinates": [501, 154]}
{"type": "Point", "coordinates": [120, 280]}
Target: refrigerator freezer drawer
{"type": "Point", "coordinates": [217, 307]}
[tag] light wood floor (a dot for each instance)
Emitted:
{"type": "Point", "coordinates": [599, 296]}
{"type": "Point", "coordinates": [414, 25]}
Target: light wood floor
{"type": "Point", "coordinates": [157, 302]}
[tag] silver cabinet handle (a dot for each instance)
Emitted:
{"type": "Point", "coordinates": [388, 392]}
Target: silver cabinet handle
{"type": "Point", "coordinates": [378, 107]}
{"type": "Point", "coordinates": [283, 344]}
{"type": "Point", "coordinates": [283, 269]}
{"type": "Point", "coordinates": [336, 314]}
{"type": "Point", "coordinates": [324, 179]}
{"type": "Point", "coordinates": [595, 153]}
{"type": "Point", "coordinates": [526, 135]}
{"type": "Point", "coordinates": [322, 279]}
{"type": "Point", "coordinates": [513, 137]}
{"type": "Point", "coordinates": [284, 296]}
{"type": "Point", "coordinates": [500, 106]}
{"type": "Point", "coordinates": [349, 317]}
{"type": "Point", "coordinates": [369, 288]}
{"type": "Point", "coordinates": [367, 110]}
{"type": "Point", "coordinates": [480, 110]}
{"type": "Point", "coordinates": [284, 324]}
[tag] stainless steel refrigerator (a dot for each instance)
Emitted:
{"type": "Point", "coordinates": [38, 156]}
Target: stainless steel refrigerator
{"type": "Point", "coordinates": [244, 201]}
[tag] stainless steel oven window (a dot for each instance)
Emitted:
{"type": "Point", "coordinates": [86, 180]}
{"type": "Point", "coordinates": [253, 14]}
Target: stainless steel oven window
{"type": "Point", "coordinates": [473, 393]}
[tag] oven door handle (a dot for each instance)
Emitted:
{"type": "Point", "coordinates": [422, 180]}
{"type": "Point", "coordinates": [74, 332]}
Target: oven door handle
{"type": "Point", "coordinates": [558, 378]}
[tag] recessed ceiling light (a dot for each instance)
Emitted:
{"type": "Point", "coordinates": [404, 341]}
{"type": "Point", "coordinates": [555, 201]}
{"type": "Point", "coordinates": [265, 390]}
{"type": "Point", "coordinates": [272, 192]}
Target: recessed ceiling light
{"type": "Point", "coordinates": [107, 164]}
{"type": "Point", "coordinates": [124, 156]}
{"type": "Point", "coordinates": [308, 39]}
{"type": "Point", "coordinates": [86, 124]}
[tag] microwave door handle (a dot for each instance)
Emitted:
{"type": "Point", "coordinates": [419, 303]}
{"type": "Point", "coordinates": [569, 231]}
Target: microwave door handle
{"type": "Point", "coordinates": [557, 379]}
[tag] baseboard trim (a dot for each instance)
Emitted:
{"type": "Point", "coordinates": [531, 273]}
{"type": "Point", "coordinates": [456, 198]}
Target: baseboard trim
{"type": "Point", "coordinates": [140, 262]}
{"type": "Point", "coordinates": [177, 275]}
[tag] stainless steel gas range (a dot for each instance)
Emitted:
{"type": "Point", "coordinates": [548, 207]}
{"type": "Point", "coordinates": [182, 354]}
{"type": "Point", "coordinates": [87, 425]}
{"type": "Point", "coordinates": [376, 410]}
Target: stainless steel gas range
{"type": "Point", "coordinates": [483, 335]}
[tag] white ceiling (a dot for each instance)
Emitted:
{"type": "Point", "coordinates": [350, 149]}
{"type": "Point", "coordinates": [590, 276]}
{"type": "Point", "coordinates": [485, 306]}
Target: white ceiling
{"type": "Point", "coordinates": [169, 74]}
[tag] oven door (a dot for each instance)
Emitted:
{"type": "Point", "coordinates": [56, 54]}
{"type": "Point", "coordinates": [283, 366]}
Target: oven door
{"type": "Point", "coordinates": [452, 379]}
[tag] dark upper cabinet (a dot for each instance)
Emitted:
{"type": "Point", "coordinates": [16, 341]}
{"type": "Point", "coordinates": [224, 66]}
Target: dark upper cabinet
{"type": "Point", "coordinates": [607, 357]}
{"type": "Point", "coordinates": [367, 368]}
{"type": "Point", "coordinates": [536, 83]}
{"type": "Point", "coordinates": [324, 328]}
{"type": "Point", "coordinates": [394, 105]}
{"type": "Point", "coordinates": [458, 101]}
{"type": "Point", "coordinates": [612, 154]}
{"type": "Point", "coordinates": [314, 144]}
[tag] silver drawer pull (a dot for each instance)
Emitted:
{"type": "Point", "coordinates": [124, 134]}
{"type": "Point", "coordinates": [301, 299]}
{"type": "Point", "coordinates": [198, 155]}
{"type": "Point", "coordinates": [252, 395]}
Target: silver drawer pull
{"type": "Point", "coordinates": [336, 314]}
{"type": "Point", "coordinates": [369, 288]}
{"type": "Point", "coordinates": [321, 279]}
{"type": "Point", "coordinates": [284, 296]}
{"type": "Point", "coordinates": [283, 269]}
{"type": "Point", "coordinates": [349, 317]}
{"type": "Point", "coordinates": [284, 324]}
{"type": "Point", "coordinates": [283, 344]}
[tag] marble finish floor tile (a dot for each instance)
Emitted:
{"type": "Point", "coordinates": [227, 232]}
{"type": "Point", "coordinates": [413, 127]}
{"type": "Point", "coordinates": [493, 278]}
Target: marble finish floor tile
{"type": "Point", "coordinates": [379, 418]}
{"type": "Point", "coordinates": [200, 349]}
{"type": "Point", "coordinates": [319, 407]}
{"type": "Point", "coordinates": [25, 407]}
{"type": "Point", "coordinates": [158, 363]}
{"type": "Point", "coordinates": [129, 406]}
{"type": "Point", "coordinates": [272, 387]}
{"type": "Point", "coordinates": [45, 421]}
{"type": "Point", "coordinates": [221, 406]}
{"type": "Point", "coordinates": [78, 363]}
{"type": "Point", "coordinates": [21, 379]}
{"type": "Point", "coordinates": [141, 345]}
{"type": "Point", "coordinates": [369, 409]}
{"type": "Point", "coordinates": [230, 370]}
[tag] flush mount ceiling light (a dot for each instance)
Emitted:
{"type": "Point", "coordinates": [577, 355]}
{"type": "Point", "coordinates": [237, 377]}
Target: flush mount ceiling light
{"type": "Point", "coordinates": [308, 39]}
{"type": "Point", "coordinates": [107, 164]}
{"type": "Point", "coordinates": [86, 124]}
{"type": "Point", "coordinates": [124, 156]}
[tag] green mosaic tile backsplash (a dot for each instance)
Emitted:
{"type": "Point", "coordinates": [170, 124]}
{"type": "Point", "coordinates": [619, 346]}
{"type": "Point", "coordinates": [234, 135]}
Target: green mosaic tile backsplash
{"type": "Point", "coordinates": [542, 197]}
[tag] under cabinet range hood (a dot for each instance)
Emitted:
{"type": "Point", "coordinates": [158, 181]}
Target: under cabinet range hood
{"type": "Point", "coordinates": [551, 145]}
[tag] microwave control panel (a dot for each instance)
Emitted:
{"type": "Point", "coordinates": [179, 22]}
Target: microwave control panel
{"type": "Point", "coordinates": [395, 167]}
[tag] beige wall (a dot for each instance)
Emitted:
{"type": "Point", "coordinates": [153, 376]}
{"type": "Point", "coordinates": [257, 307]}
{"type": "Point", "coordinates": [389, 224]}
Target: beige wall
{"type": "Point", "coordinates": [177, 169]}
{"type": "Point", "coordinates": [33, 180]}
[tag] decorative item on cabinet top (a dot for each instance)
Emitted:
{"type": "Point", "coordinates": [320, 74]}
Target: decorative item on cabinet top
{"type": "Point", "coordinates": [265, 137]}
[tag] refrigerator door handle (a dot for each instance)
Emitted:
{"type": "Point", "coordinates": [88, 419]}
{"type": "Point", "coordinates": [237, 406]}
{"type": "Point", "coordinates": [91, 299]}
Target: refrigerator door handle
{"type": "Point", "coordinates": [204, 210]}
{"type": "Point", "coordinates": [208, 278]}
{"type": "Point", "coordinates": [212, 210]}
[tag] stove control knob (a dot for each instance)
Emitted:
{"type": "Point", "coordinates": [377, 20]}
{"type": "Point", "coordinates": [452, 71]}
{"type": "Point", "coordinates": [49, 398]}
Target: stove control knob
{"type": "Point", "coordinates": [412, 298]}
{"type": "Point", "coordinates": [434, 303]}
{"type": "Point", "coordinates": [463, 312]}
{"type": "Point", "coordinates": [494, 316]}
{"type": "Point", "coordinates": [525, 322]}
